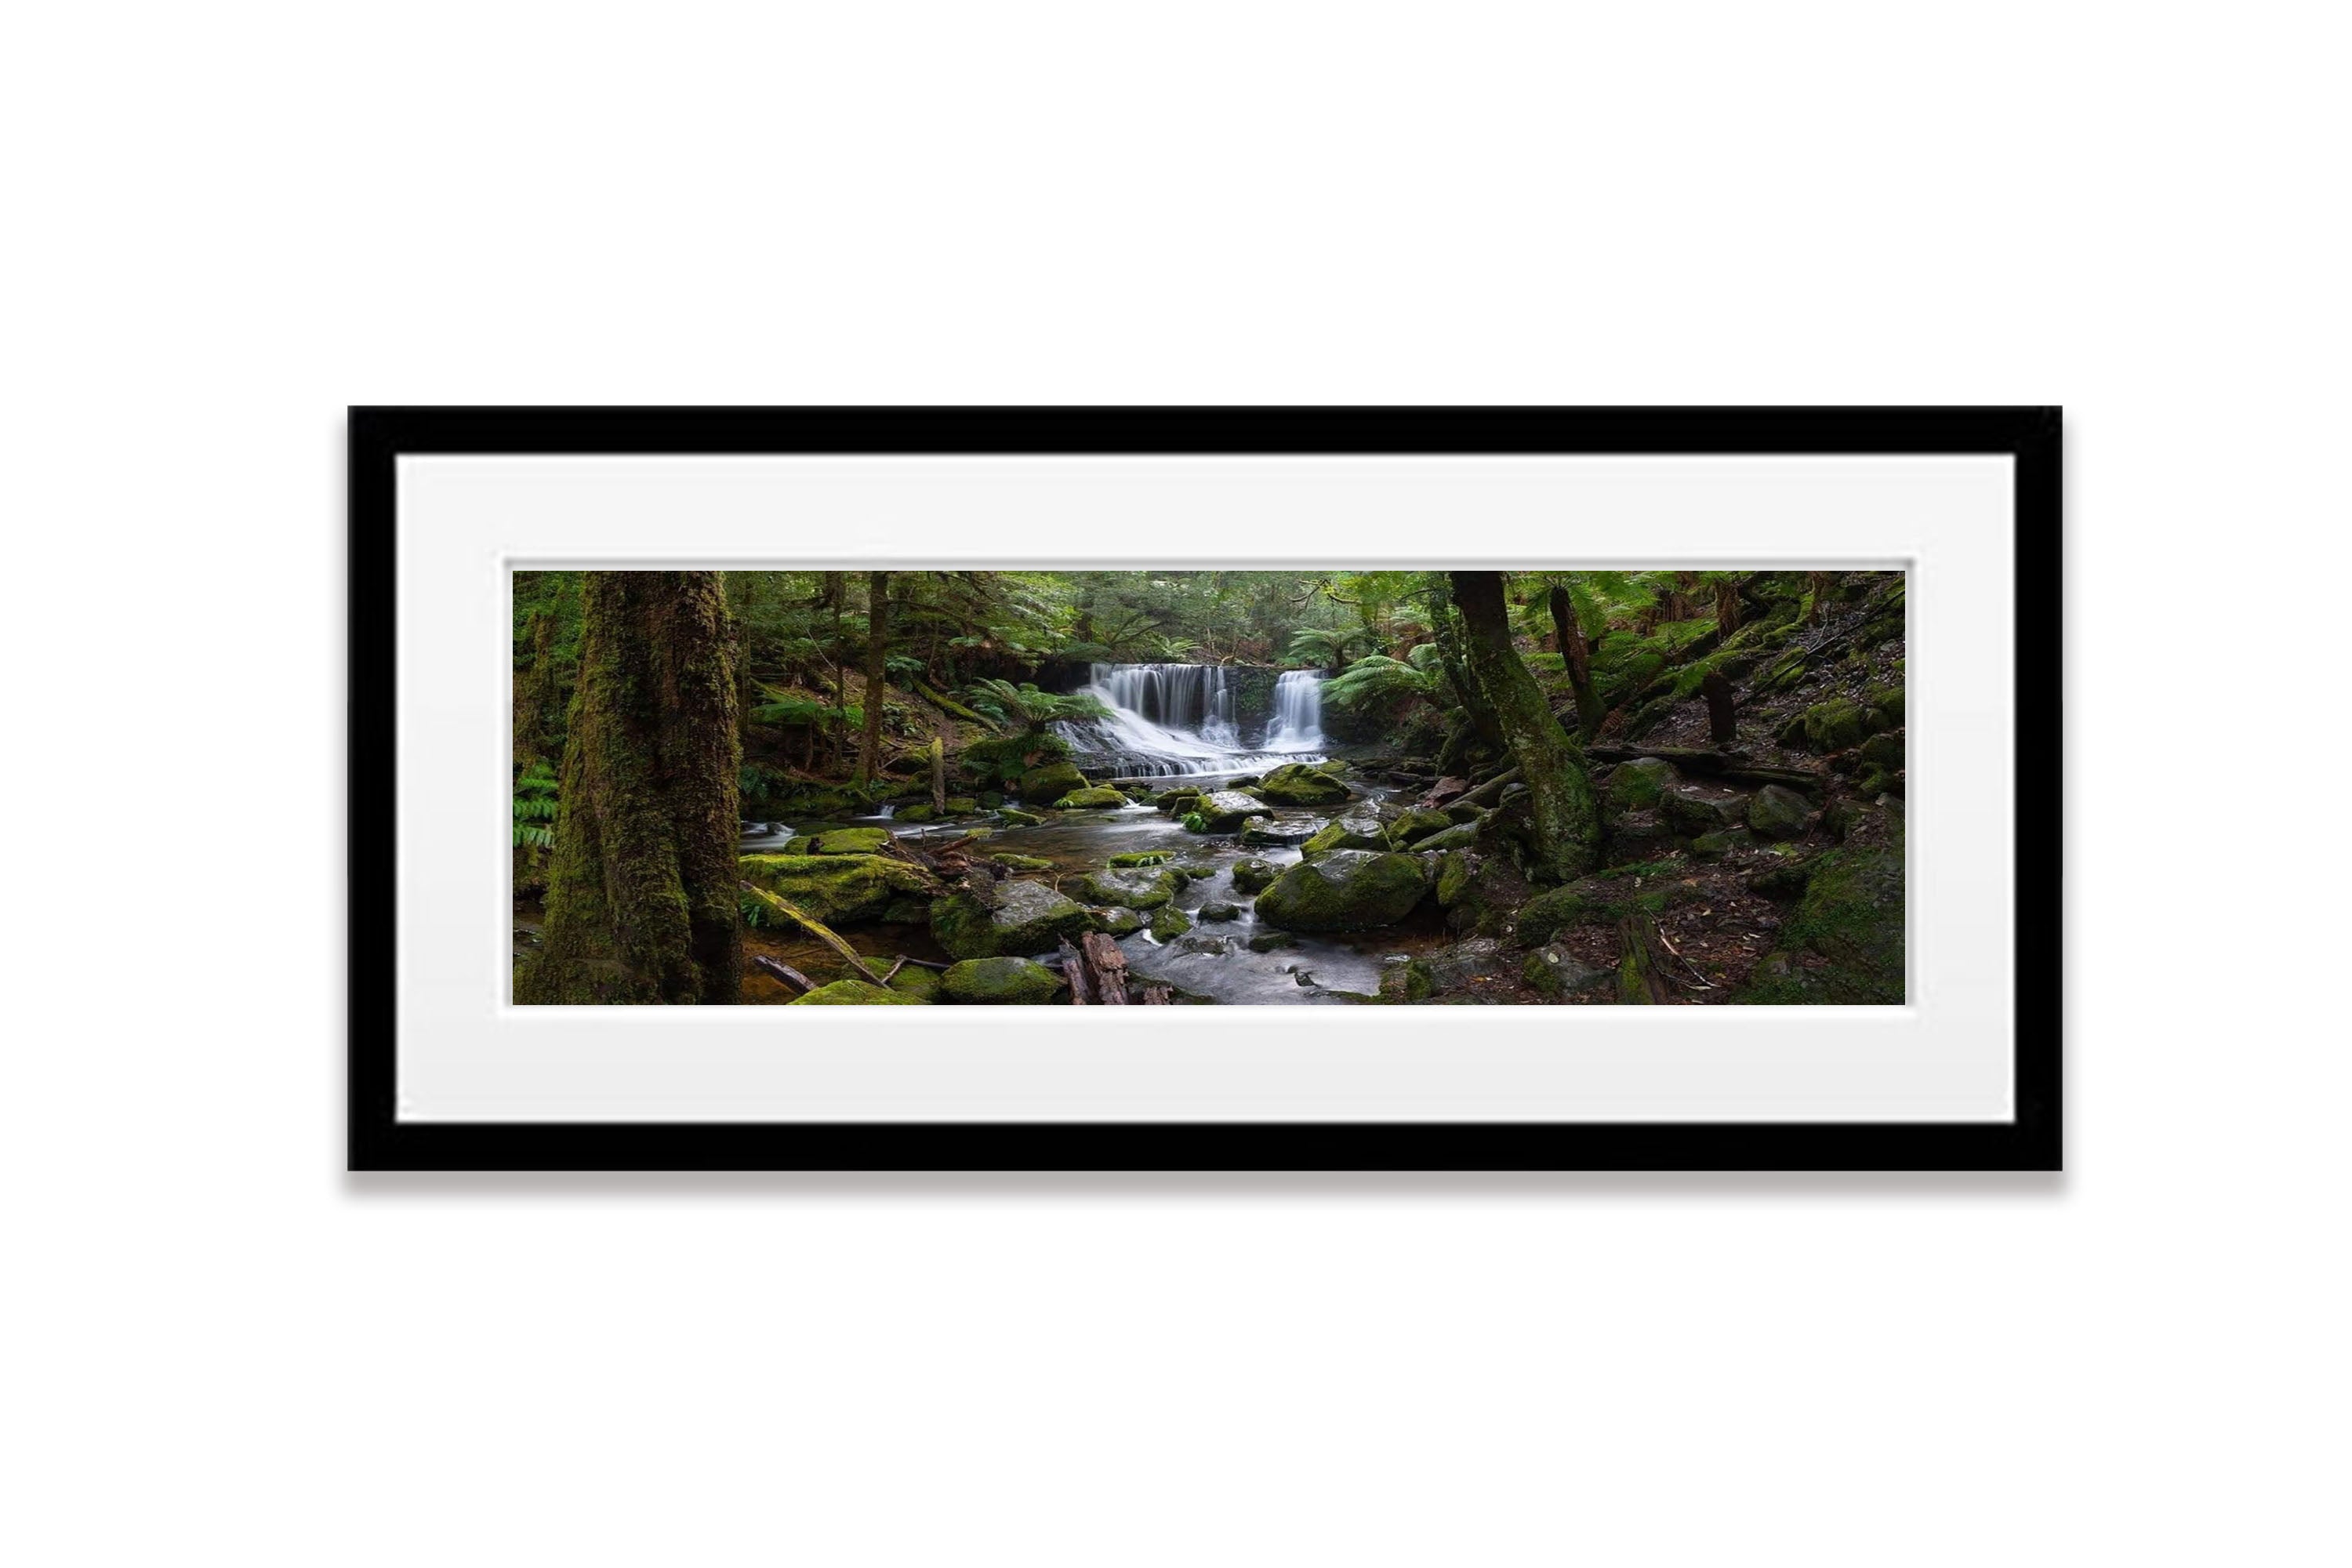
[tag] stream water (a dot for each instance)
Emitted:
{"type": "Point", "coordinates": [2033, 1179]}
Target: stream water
{"type": "Point", "coordinates": [1177, 720]}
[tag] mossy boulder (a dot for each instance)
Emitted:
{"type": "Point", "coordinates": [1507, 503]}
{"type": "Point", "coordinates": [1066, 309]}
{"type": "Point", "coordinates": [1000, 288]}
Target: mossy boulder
{"type": "Point", "coordinates": [1602, 900]}
{"type": "Point", "coordinates": [1268, 834]}
{"type": "Point", "coordinates": [1141, 888]}
{"type": "Point", "coordinates": [918, 814]}
{"type": "Point", "coordinates": [962, 806]}
{"type": "Point", "coordinates": [1884, 708]}
{"type": "Point", "coordinates": [1337, 767]}
{"type": "Point", "coordinates": [1723, 841]}
{"type": "Point", "coordinates": [850, 841]}
{"type": "Point", "coordinates": [1690, 811]}
{"type": "Point", "coordinates": [1196, 870]}
{"type": "Point", "coordinates": [1116, 922]}
{"type": "Point", "coordinates": [1834, 726]}
{"type": "Point", "coordinates": [999, 981]}
{"type": "Point", "coordinates": [1635, 786]}
{"type": "Point", "coordinates": [1050, 781]}
{"type": "Point", "coordinates": [1356, 830]}
{"type": "Point", "coordinates": [1637, 838]}
{"type": "Point", "coordinates": [1101, 797]}
{"type": "Point", "coordinates": [1883, 752]}
{"type": "Point", "coordinates": [1020, 862]}
{"type": "Point", "coordinates": [1272, 941]}
{"type": "Point", "coordinates": [1347, 890]}
{"type": "Point", "coordinates": [1779, 812]}
{"type": "Point", "coordinates": [1553, 971]}
{"type": "Point", "coordinates": [1171, 923]}
{"type": "Point", "coordinates": [1029, 918]}
{"type": "Point", "coordinates": [1298, 784]}
{"type": "Point", "coordinates": [1178, 800]}
{"type": "Point", "coordinates": [1459, 836]}
{"type": "Point", "coordinates": [1253, 876]}
{"type": "Point", "coordinates": [854, 993]}
{"type": "Point", "coordinates": [1417, 823]}
{"type": "Point", "coordinates": [1851, 917]}
{"type": "Point", "coordinates": [1143, 858]}
{"type": "Point", "coordinates": [1219, 913]}
{"type": "Point", "coordinates": [844, 889]}
{"type": "Point", "coordinates": [1480, 893]}
{"type": "Point", "coordinates": [1223, 811]}
{"type": "Point", "coordinates": [1014, 818]}
{"type": "Point", "coordinates": [920, 983]}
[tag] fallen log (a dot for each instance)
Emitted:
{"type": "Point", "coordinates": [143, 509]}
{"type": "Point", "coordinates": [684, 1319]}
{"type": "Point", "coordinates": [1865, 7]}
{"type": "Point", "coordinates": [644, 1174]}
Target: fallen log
{"type": "Point", "coordinates": [815, 928]}
{"type": "Point", "coordinates": [892, 973]}
{"type": "Point", "coordinates": [1075, 975]}
{"type": "Point", "coordinates": [1105, 968]}
{"type": "Point", "coordinates": [1490, 792]}
{"type": "Point", "coordinates": [783, 972]}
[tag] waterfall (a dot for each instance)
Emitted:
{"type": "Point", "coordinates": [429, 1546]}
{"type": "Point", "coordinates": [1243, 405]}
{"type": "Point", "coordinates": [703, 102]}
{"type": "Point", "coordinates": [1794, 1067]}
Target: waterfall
{"type": "Point", "coordinates": [1297, 712]}
{"type": "Point", "coordinates": [1180, 719]}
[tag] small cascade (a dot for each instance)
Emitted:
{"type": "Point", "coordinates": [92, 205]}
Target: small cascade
{"type": "Point", "coordinates": [887, 810]}
{"type": "Point", "coordinates": [1177, 720]}
{"type": "Point", "coordinates": [1297, 712]}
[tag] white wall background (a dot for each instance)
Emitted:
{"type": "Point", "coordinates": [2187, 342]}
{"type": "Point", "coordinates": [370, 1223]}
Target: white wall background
{"type": "Point", "coordinates": [226, 222]}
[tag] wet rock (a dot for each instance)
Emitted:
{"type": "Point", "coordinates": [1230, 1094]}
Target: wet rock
{"type": "Point", "coordinates": [1215, 946]}
{"type": "Point", "coordinates": [1346, 889]}
{"type": "Point", "coordinates": [1779, 812]}
{"type": "Point", "coordinates": [999, 981]}
{"type": "Point", "coordinates": [1883, 752]}
{"type": "Point", "coordinates": [1176, 802]}
{"type": "Point", "coordinates": [1143, 858]}
{"type": "Point", "coordinates": [1029, 918]}
{"type": "Point", "coordinates": [1445, 792]}
{"type": "Point", "coordinates": [1169, 922]}
{"type": "Point", "coordinates": [1460, 836]}
{"type": "Point", "coordinates": [1140, 889]}
{"type": "Point", "coordinates": [1016, 818]}
{"type": "Point", "coordinates": [1834, 726]}
{"type": "Point", "coordinates": [1356, 830]}
{"type": "Point", "coordinates": [1296, 784]}
{"type": "Point", "coordinates": [1020, 862]}
{"type": "Point", "coordinates": [1272, 941]}
{"type": "Point", "coordinates": [850, 841]}
{"type": "Point", "coordinates": [1480, 893]}
{"type": "Point", "coordinates": [1253, 875]}
{"type": "Point", "coordinates": [1267, 834]}
{"type": "Point", "coordinates": [1219, 913]}
{"type": "Point", "coordinates": [1116, 922]}
{"type": "Point", "coordinates": [1223, 811]}
{"type": "Point", "coordinates": [1101, 797]}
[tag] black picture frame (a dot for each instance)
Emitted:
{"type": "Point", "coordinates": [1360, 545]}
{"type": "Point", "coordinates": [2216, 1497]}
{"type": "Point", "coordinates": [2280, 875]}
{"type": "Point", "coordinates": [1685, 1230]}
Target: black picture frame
{"type": "Point", "coordinates": [379, 1140]}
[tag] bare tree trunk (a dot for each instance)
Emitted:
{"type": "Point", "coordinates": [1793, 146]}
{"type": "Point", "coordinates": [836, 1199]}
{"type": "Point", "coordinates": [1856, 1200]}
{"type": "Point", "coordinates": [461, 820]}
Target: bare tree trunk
{"type": "Point", "coordinates": [641, 904]}
{"type": "Point", "coordinates": [1576, 654]}
{"type": "Point", "coordinates": [877, 667]}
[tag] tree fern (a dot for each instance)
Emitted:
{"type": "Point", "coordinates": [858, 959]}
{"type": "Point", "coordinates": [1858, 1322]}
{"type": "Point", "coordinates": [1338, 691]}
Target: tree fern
{"type": "Point", "coordinates": [1375, 681]}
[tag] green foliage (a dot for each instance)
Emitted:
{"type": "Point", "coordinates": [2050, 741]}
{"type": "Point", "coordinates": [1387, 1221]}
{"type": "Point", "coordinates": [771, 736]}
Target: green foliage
{"type": "Point", "coordinates": [793, 711]}
{"type": "Point", "coordinates": [1376, 681]}
{"type": "Point", "coordinates": [534, 808]}
{"type": "Point", "coordinates": [1024, 707]}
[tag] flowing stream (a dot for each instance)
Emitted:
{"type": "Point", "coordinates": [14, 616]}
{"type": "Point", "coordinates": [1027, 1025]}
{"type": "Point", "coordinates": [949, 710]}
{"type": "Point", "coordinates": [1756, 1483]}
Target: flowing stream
{"type": "Point", "coordinates": [1180, 720]}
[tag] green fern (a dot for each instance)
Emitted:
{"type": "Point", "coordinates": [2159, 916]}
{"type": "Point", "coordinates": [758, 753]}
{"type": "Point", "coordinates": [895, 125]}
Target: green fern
{"type": "Point", "coordinates": [534, 808]}
{"type": "Point", "coordinates": [1375, 681]}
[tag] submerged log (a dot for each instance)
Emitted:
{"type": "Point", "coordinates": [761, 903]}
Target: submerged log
{"type": "Point", "coordinates": [783, 972]}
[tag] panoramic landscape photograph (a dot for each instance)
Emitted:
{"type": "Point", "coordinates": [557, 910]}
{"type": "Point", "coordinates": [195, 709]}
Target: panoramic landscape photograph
{"type": "Point", "coordinates": [1074, 788]}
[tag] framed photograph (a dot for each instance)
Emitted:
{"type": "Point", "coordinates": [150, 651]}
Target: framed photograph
{"type": "Point", "coordinates": [1205, 789]}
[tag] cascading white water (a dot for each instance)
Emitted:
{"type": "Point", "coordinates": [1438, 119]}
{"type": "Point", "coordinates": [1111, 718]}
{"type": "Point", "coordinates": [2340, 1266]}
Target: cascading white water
{"type": "Point", "coordinates": [1179, 719]}
{"type": "Point", "coordinates": [1297, 712]}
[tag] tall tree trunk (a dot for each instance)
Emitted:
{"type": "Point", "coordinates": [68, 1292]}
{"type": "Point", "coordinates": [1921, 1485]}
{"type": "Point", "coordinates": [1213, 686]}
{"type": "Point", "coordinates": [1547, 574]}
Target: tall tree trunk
{"type": "Point", "coordinates": [877, 667]}
{"type": "Point", "coordinates": [1447, 633]}
{"type": "Point", "coordinates": [641, 900]}
{"type": "Point", "coordinates": [836, 585]}
{"type": "Point", "coordinates": [534, 692]}
{"type": "Point", "coordinates": [1820, 584]}
{"type": "Point", "coordinates": [1576, 654]}
{"type": "Point", "coordinates": [1566, 820]}
{"type": "Point", "coordinates": [1726, 606]}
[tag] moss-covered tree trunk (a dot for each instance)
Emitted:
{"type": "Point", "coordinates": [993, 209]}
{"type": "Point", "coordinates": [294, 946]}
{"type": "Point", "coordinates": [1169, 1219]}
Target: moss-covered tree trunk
{"type": "Point", "coordinates": [641, 900]}
{"type": "Point", "coordinates": [1567, 821]}
{"type": "Point", "coordinates": [1577, 655]}
{"type": "Point", "coordinates": [877, 671]}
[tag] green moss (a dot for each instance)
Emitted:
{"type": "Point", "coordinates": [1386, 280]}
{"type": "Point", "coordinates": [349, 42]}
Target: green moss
{"type": "Point", "coordinates": [1116, 922]}
{"type": "Point", "coordinates": [1298, 783]}
{"type": "Point", "coordinates": [839, 890]}
{"type": "Point", "coordinates": [854, 993]}
{"type": "Point", "coordinates": [1020, 862]}
{"type": "Point", "coordinates": [1253, 875]}
{"type": "Point", "coordinates": [1851, 915]}
{"type": "Point", "coordinates": [1014, 818]}
{"type": "Point", "coordinates": [1051, 782]}
{"type": "Point", "coordinates": [1348, 889]}
{"type": "Point", "coordinates": [1029, 918]}
{"type": "Point", "coordinates": [1406, 983]}
{"type": "Point", "coordinates": [1171, 923]}
{"type": "Point", "coordinates": [1883, 752]}
{"type": "Point", "coordinates": [1834, 726]}
{"type": "Point", "coordinates": [1361, 831]}
{"type": "Point", "coordinates": [849, 841]}
{"type": "Point", "coordinates": [1416, 823]}
{"type": "Point", "coordinates": [1101, 797]}
{"type": "Point", "coordinates": [1143, 858]}
{"type": "Point", "coordinates": [918, 982]}
{"type": "Point", "coordinates": [1143, 888]}
{"type": "Point", "coordinates": [1637, 785]}
{"type": "Point", "coordinates": [999, 982]}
